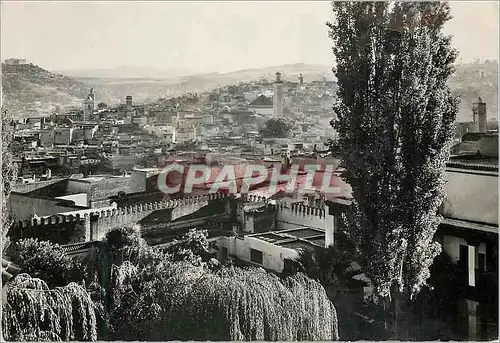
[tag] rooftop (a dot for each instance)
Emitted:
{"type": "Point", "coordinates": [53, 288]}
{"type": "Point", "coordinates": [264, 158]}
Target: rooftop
{"type": "Point", "coordinates": [298, 238]}
{"type": "Point", "coordinates": [262, 100]}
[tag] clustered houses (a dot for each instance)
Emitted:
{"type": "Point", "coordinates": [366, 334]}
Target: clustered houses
{"type": "Point", "coordinates": [96, 139]}
{"type": "Point", "coordinates": [84, 173]}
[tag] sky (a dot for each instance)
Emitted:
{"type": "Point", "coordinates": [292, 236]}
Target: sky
{"type": "Point", "coordinates": [199, 36]}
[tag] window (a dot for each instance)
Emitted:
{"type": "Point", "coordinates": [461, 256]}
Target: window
{"type": "Point", "coordinates": [467, 263]}
{"type": "Point", "coordinates": [464, 257]}
{"type": "Point", "coordinates": [289, 266]}
{"type": "Point", "coordinates": [482, 262]}
{"type": "Point", "coordinates": [224, 253]}
{"type": "Point", "coordinates": [256, 256]}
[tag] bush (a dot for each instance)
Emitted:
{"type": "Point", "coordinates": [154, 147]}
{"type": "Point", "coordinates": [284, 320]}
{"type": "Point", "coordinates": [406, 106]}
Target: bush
{"type": "Point", "coordinates": [47, 261]}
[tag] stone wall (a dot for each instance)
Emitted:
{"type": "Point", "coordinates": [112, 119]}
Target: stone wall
{"type": "Point", "coordinates": [298, 215]}
{"type": "Point", "coordinates": [23, 207]}
{"type": "Point", "coordinates": [93, 224]}
{"type": "Point", "coordinates": [30, 187]}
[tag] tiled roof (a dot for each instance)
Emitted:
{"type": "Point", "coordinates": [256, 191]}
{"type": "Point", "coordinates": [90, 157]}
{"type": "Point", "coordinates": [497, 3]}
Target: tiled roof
{"type": "Point", "coordinates": [262, 100]}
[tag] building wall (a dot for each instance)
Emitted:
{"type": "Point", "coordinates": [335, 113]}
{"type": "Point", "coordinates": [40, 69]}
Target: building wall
{"type": "Point", "coordinates": [273, 256]}
{"type": "Point", "coordinates": [472, 196]}
{"type": "Point", "coordinates": [297, 216]}
{"type": "Point", "coordinates": [63, 136]}
{"type": "Point", "coordinates": [30, 187]}
{"type": "Point", "coordinates": [47, 138]}
{"type": "Point", "coordinates": [76, 187]}
{"type": "Point", "coordinates": [109, 187]}
{"type": "Point", "coordinates": [80, 199]}
{"type": "Point", "coordinates": [123, 162]}
{"type": "Point", "coordinates": [265, 111]}
{"type": "Point", "coordinates": [22, 207]}
{"type": "Point", "coordinates": [138, 181]}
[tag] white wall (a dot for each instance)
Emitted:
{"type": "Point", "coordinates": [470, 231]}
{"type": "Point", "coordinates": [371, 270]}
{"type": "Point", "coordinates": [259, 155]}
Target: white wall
{"type": "Point", "coordinates": [288, 219]}
{"type": "Point", "coordinates": [471, 196]}
{"type": "Point", "coordinates": [80, 199]}
{"type": "Point", "coordinates": [263, 111]}
{"type": "Point", "coordinates": [272, 255]}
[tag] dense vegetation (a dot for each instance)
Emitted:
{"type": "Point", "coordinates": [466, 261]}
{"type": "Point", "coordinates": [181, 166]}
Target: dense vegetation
{"type": "Point", "coordinates": [134, 292]}
{"type": "Point", "coordinates": [276, 128]}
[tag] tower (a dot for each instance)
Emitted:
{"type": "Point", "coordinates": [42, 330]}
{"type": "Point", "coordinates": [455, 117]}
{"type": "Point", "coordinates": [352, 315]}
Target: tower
{"type": "Point", "coordinates": [88, 108]}
{"type": "Point", "coordinates": [92, 95]}
{"type": "Point", "coordinates": [128, 106]}
{"type": "Point", "coordinates": [479, 115]}
{"type": "Point", "coordinates": [301, 80]}
{"type": "Point", "coordinates": [278, 96]}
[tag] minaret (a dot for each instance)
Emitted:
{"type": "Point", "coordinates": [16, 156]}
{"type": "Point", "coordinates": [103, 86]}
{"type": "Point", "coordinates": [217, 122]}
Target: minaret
{"type": "Point", "coordinates": [301, 80]}
{"type": "Point", "coordinates": [479, 115]}
{"type": "Point", "coordinates": [128, 106]}
{"type": "Point", "coordinates": [278, 96]}
{"type": "Point", "coordinates": [88, 108]}
{"type": "Point", "coordinates": [92, 95]}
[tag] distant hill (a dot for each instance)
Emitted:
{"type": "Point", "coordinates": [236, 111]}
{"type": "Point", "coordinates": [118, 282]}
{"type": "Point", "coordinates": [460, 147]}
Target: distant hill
{"type": "Point", "coordinates": [474, 80]}
{"type": "Point", "coordinates": [127, 72]}
{"type": "Point", "coordinates": [25, 85]}
{"type": "Point", "coordinates": [149, 89]}
{"type": "Point", "coordinates": [29, 89]}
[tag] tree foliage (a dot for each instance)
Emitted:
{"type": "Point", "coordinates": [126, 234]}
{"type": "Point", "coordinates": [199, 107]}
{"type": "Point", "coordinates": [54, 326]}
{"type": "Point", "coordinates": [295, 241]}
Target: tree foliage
{"type": "Point", "coordinates": [34, 312]}
{"type": "Point", "coordinates": [9, 173]}
{"type": "Point", "coordinates": [139, 293]}
{"type": "Point", "coordinates": [193, 247]}
{"type": "Point", "coordinates": [332, 267]}
{"type": "Point", "coordinates": [395, 114]}
{"type": "Point", "coordinates": [187, 302]}
{"type": "Point", "coordinates": [47, 261]}
{"type": "Point", "coordinates": [276, 128]}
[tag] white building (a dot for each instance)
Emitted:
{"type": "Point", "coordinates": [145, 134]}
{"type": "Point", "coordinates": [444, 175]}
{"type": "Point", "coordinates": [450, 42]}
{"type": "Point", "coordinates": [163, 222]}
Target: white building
{"type": "Point", "coordinates": [15, 61]}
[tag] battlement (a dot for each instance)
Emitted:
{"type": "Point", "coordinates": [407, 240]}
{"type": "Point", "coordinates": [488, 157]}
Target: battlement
{"type": "Point", "coordinates": [252, 198]}
{"type": "Point", "coordinates": [299, 209]}
{"type": "Point", "coordinates": [114, 212]}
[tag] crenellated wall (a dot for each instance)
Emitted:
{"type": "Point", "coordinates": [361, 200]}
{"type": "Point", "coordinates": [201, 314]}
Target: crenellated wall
{"type": "Point", "coordinates": [258, 215]}
{"type": "Point", "coordinates": [93, 224]}
{"type": "Point", "coordinates": [289, 216]}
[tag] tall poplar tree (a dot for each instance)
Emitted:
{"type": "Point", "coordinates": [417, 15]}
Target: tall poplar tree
{"type": "Point", "coordinates": [395, 115]}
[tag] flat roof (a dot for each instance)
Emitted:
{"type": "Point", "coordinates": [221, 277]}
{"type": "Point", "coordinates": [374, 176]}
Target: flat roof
{"type": "Point", "coordinates": [304, 232]}
{"type": "Point", "coordinates": [297, 244]}
{"type": "Point", "coordinates": [290, 235]}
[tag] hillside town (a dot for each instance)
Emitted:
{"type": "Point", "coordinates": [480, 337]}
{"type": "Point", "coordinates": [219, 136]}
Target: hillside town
{"type": "Point", "coordinates": [231, 255]}
{"type": "Point", "coordinates": [230, 121]}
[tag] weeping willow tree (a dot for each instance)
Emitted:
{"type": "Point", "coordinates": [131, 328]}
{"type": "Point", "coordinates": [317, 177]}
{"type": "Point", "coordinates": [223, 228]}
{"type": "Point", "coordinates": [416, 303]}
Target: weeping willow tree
{"type": "Point", "coordinates": [34, 312]}
{"type": "Point", "coordinates": [180, 301]}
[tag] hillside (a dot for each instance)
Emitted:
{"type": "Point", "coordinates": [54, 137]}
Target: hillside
{"type": "Point", "coordinates": [29, 89]}
{"type": "Point", "coordinates": [469, 85]}
{"type": "Point", "coordinates": [126, 72]}
{"type": "Point", "coordinates": [29, 86]}
{"type": "Point", "coordinates": [145, 89]}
